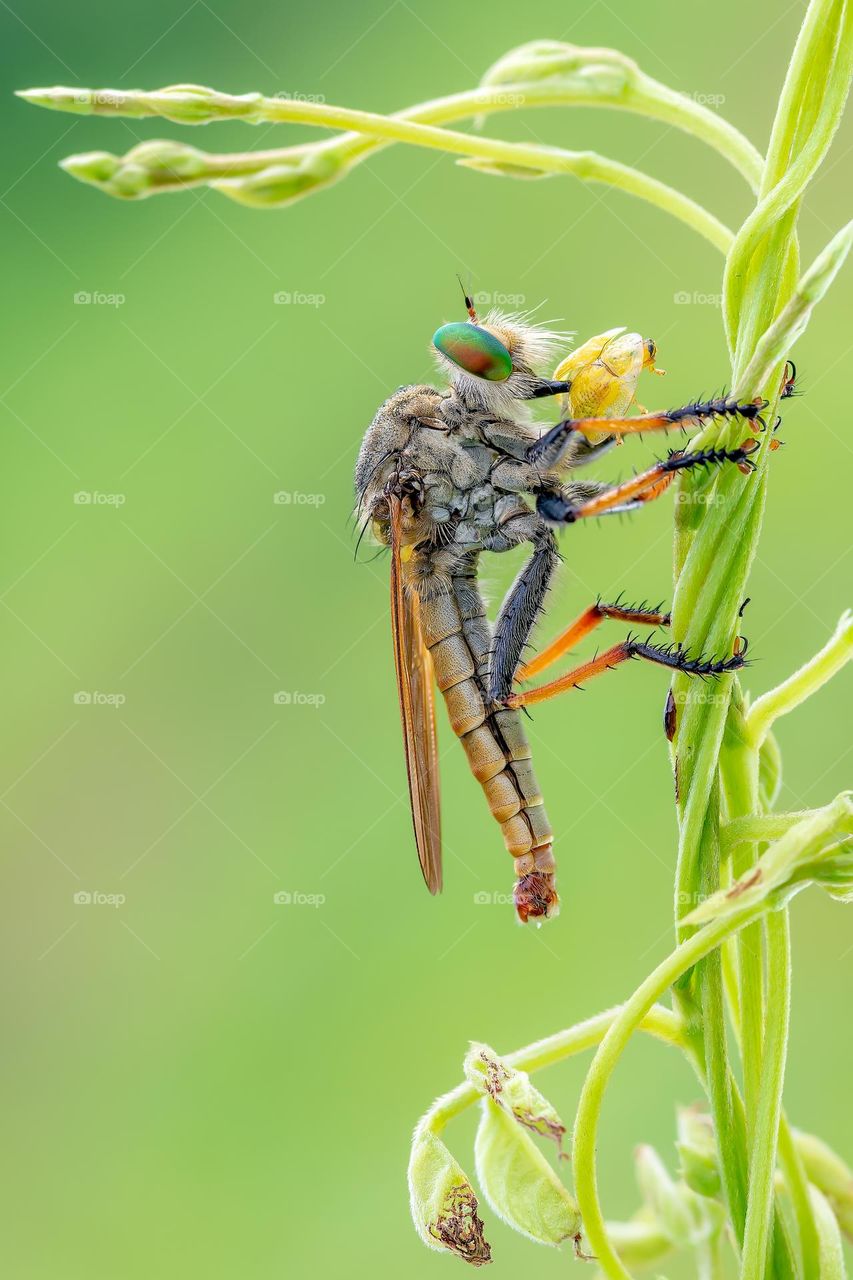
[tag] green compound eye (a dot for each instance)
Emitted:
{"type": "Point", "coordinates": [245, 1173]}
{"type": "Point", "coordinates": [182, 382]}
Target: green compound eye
{"type": "Point", "coordinates": [474, 349]}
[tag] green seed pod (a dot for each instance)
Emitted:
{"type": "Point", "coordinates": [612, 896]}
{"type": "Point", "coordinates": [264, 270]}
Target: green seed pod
{"type": "Point", "coordinates": [518, 1182]}
{"type": "Point", "coordinates": [697, 1149]}
{"type": "Point", "coordinates": [640, 1243]}
{"type": "Point", "coordinates": [443, 1204]}
{"type": "Point", "coordinates": [514, 1091]}
{"type": "Point", "coordinates": [835, 874]}
{"type": "Point", "coordinates": [306, 171]}
{"type": "Point", "coordinates": [681, 1215]}
{"type": "Point", "coordinates": [827, 1171]}
{"type": "Point", "coordinates": [501, 169]}
{"type": "Point", "coordinates": [769, 772]}
{"type": "Point", "coordinates": [597, 72]}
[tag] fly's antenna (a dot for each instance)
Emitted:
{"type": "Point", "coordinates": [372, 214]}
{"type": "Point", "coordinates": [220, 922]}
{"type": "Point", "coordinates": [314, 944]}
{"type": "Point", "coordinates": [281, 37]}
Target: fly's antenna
{"type": "Point", "coordinates": [469, 302]}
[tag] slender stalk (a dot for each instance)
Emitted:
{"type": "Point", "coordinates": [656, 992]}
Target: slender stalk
{"type": "Point", "coordinates": [269, 179]}
{"type": "Point", "coordinates": [659, 1022]}
{"type": "Point", "coordinates": [632, 91]}
{"type": "Point", "coordinates": [802, 684]}
{"type": "Point", "coordinates": [668, 972]}
{"type": "Point", "coordinates": [762, 1165]}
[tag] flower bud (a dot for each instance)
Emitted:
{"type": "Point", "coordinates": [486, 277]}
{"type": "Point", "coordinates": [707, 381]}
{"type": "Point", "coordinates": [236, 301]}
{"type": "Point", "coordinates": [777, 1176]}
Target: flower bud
{"type": "Point", "coordinates": [518, 1182]}
{"type": "Point", "coordinates": [595, 72]}
{"type": "Point", "coordinates": [769, 772]}
{"type": "Point", "coordinates": [697, 1149]}
{"type": "Point", "coordinates": [678, 1211]}
{"type": "Point", "coordinates": [289, 179]}
{"type": "Point", "coordinates": [514, 1091]}
{"type": "Point", "coordinates": [145, 170]}
{"type": "Point", "coordinates": [826, 1169]}
{"type": "Point", "coordinates": [502, 169]}
{"type": "Point", "coordinates": [443, 1204]}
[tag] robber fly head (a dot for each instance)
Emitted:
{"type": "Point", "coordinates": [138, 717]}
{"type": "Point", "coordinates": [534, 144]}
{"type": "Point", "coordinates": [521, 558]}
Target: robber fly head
{"type": "Point", "coordinates": [496, 359]}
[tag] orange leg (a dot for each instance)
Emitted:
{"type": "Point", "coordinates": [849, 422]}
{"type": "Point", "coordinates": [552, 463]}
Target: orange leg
{"type": "Point", "coordinates": [582, 626]}
{"type": "Point", "coordinates": [550, 450]}
{"type": "Point", "coordinates": [691, 415]}
{"type": "Point", "coordinates": [675, 658]}
{"type": "Point", "coordinates": [648, 485]}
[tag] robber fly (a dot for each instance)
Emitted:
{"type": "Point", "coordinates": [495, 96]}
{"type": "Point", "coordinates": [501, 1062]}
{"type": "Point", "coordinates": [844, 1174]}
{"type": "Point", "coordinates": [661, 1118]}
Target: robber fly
{"type": "Point", "coordinates": [444, 475]}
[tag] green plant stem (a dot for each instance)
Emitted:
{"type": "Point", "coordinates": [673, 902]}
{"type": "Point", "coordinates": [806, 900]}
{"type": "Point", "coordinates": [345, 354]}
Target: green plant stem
{"type": "Point", "coordinates": [639, 94]}
{"type": "Point", "coordinates": [659, 1022]}
{"type": "Point", "coordinates": [223, 172]}
{"type": "Point", "coordinates": [679, 962]}
{"type": "Point", "coordinates": [762, 1165]}
{"type": "Point", "coordinates": [802, 684]}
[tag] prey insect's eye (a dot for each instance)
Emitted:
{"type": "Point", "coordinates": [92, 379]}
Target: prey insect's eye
{"type": "Point", "coordinates": [474, 349]}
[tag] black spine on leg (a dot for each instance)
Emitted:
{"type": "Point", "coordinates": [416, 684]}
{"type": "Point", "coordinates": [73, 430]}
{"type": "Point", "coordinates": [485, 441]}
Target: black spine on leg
{"type": "Point", "coordinates": [708, 458]}
{"type": "Point", "coordinates": [518, 614]}
{"type": "Point", "coordinates": [679, 659]}
{"type": "Point", "coordinates": [721, 407]}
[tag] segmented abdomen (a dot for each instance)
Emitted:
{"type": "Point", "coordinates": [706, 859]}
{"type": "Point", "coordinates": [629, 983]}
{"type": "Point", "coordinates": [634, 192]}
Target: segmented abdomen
{"type": "Point", "coordinates": [459, 639]}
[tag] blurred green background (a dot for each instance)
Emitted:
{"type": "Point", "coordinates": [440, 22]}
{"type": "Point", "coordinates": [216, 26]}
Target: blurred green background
{"type": "Point", "coordinates": [199, 1081]}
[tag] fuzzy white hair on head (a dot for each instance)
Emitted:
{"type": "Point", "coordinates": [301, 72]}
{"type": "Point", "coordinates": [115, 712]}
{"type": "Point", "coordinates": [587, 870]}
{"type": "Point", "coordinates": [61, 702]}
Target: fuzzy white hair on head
{"type": "Point", "coordinates": [534, 350]}
{"type": "Point", "coordinates": [533, 346]}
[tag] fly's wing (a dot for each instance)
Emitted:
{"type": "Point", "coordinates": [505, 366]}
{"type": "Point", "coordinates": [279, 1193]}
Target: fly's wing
{"type": "Point", "coordinates": [417, 710]}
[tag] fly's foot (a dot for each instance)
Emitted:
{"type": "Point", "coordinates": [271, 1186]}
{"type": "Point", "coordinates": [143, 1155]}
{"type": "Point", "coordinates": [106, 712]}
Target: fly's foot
{"type": "Point", "coordinates": [678, 658]}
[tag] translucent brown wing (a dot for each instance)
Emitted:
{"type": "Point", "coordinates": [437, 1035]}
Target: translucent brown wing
{"type": "Point", "coordinates": [417, 710]}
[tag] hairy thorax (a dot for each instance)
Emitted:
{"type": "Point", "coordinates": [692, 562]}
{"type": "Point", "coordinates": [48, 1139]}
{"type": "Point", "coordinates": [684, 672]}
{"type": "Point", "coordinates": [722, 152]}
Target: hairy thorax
{"type": "Point", "coordinates": [463, 472]}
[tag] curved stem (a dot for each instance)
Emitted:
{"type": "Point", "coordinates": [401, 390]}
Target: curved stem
{"type": "Point", "coordinates": [680, 961]}
{"type": "Point", "coordinates": [637, 93]}
{"type": "Point", "coordinates": [802, 684]}
{"type": "Point", "coordinates": [659, 1022]}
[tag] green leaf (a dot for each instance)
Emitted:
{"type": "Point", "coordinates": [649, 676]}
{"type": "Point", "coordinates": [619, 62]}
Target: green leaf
{"type": "Point", "coordinates": [443, 1204]}
{"type": "Point", "coordinates": [515, 1091]}
{"type": "Point", "coordinates": [518, 1182]}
